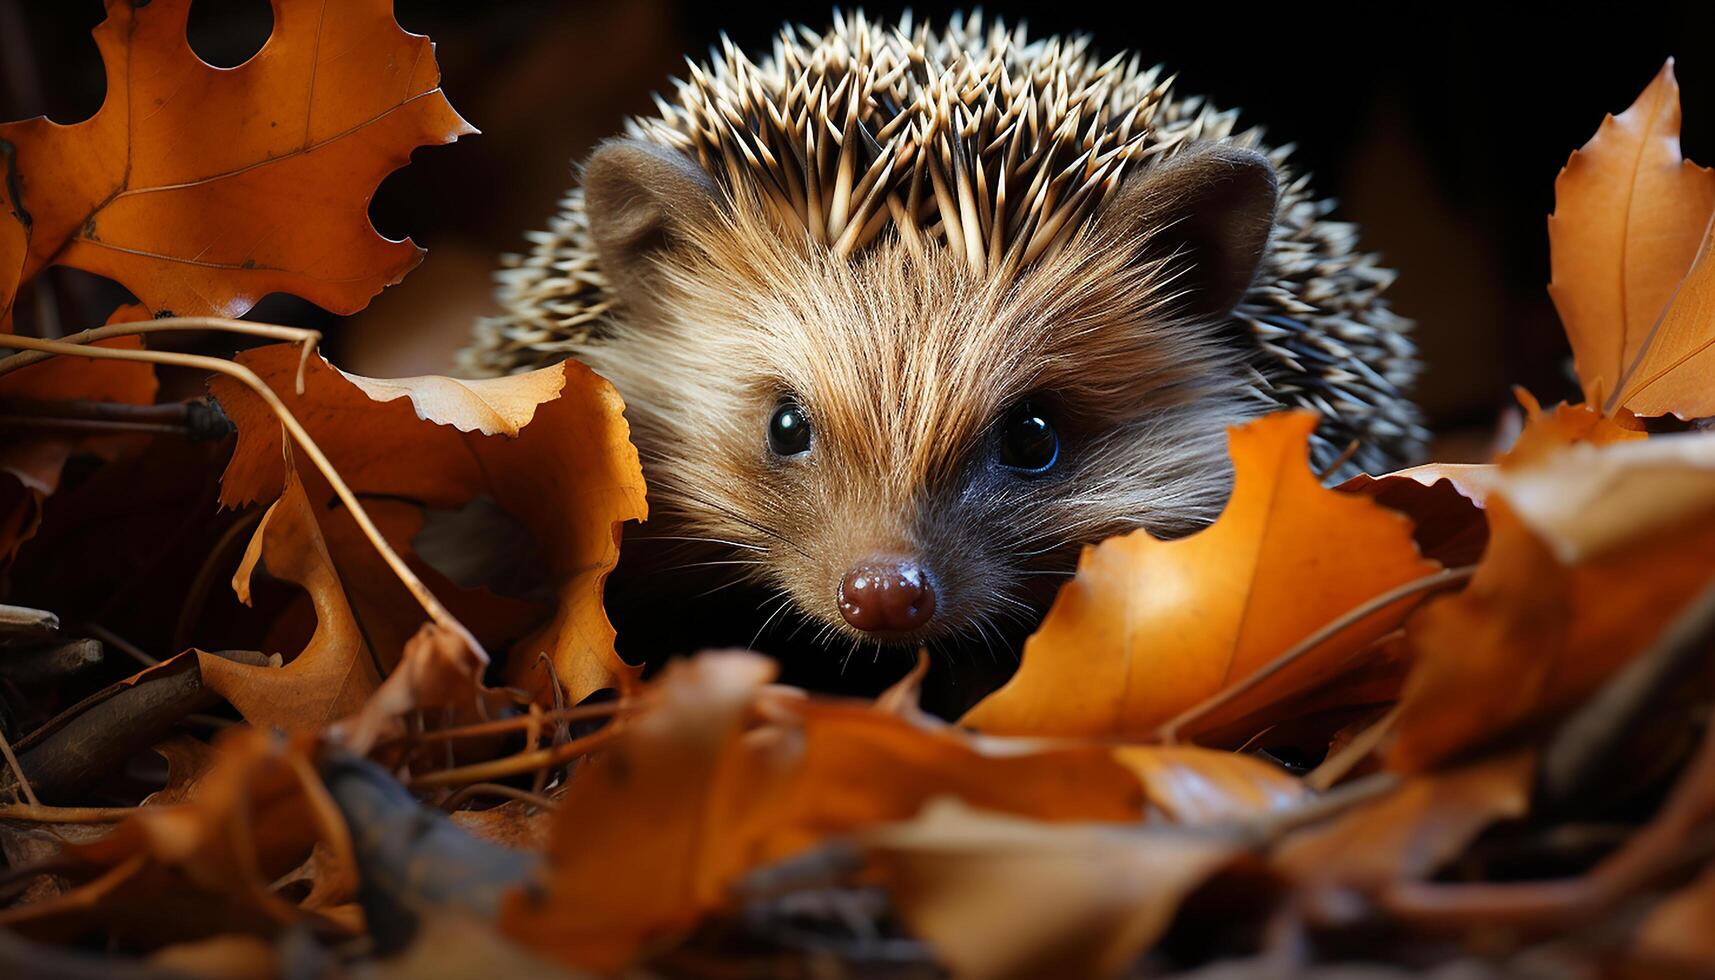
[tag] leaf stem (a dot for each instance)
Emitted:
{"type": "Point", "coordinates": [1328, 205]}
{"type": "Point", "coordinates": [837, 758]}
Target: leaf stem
{"type": "Point", "coordinates": [1169, 733]}
{"type": "Point", "coordinates": [272, 331]}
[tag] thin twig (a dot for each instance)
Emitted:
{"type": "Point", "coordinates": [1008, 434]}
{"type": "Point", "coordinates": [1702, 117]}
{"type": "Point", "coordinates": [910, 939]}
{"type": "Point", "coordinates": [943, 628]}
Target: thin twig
{"type": "Point", "coordinates": [18, 771]}
{"type": "Point", "coordinates": [1335, 767]}
{"type": "Point", "coordinates": [114, 640]}
{"type": "Point", "coordinates": [272, 331]}
{"type": "Point", "coordinates": [500, 725]}
{"type": "Point", "coordinates": [514, 764]}
{"type": "Point", "coordinates": [453, 801]}
{"type": "Point", "coordinates": [425, 598]}
{"type": "Point", "coordinates": [1169, 732]}
{"type": "Point", "coordinates": [38, 813]}
{"type": "Point", "coordinates": [116, 426]}
{"type": "Point", "coordinates": [1339, 461]}
{"type": "Point", "coordinates": [197, 596]}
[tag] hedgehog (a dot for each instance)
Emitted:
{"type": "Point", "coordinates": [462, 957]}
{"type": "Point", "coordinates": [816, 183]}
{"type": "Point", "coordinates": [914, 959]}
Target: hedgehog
{"type": "Point", "coordinates": [903, 316]}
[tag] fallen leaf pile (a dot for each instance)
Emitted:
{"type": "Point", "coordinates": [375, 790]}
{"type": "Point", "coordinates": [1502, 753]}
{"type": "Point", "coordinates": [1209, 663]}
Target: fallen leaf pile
{"type": "Point", "coordinates": [1454, 719]}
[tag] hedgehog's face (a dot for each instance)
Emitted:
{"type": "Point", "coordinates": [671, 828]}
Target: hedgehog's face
{"type": "Point", "coordinates": [905, 449]}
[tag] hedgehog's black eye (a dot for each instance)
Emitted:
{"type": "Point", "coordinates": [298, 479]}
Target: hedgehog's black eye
{"type": "Point", "coordinates": [1028, 441]}
{"type": "Point", "coordinates": [788, 429]}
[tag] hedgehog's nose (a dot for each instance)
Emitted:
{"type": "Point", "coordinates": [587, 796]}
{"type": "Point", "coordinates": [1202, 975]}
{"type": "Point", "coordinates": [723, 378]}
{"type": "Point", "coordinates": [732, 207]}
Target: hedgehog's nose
{"type": "Point", "coordinates": [887, 596]}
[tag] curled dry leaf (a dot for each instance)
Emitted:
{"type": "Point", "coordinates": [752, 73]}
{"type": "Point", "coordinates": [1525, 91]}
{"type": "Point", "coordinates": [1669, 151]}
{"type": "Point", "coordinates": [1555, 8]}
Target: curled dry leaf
{"type": "Point", "coordinates": [1150, 628]}
{"type": "Point", "coordinates": [1629, 215]}
{"type": "Point", "coordinates": [202, 189]}
{"type": "Point", "coordinates": [31, 460]}
{"type": "Point", "coordinates": [1672, 374]}
{"type": "Point", "coordinates": [1593, 551]}
{"type": "Point", "coordinates": [254, 816]}
{"type": "Point", "coordinates": [1000, 897]}
{"type": "Point", "coordinates": [1414, 830]}
{"type": "Point", "coordinates": [560, 462]}
{"type": "Point", "coordinates": [727, 790]}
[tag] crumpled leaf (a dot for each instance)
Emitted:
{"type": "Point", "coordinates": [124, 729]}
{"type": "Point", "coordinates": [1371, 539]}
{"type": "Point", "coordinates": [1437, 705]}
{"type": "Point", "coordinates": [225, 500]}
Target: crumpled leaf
{"type": "Point", "coordinates": [254, 817]}
{"type": "Point", "coordinates": [31, 460]}
{"type": "Point", "coordinates": [1593, 552]}
{"type": "Point", "coordinates": [1000, 897]}
{"type": "Point", "coordinates": [570, 475]}
{"type": "Point", "coordinates": [1629, 215]}
{"type": "Point", "coordinates": [1444, 502]}
{"type": "Point", "coordinates": [334, 674]}
{"type": "Point", "coordinates": [1149, 628]}
{"type": "Point", "coordinates": [732, 777]}
{"type": "Point", "coordinates": [202, 189]}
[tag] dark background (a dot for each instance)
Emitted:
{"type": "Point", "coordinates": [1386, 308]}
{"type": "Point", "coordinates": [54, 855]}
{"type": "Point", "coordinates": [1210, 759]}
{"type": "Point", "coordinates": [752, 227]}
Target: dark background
{"type": "Point", "coordinates": [1439, 127]}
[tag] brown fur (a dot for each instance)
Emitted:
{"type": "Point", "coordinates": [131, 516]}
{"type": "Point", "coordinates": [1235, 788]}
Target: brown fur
{"type": "Point", "coordinates": [904, 358]}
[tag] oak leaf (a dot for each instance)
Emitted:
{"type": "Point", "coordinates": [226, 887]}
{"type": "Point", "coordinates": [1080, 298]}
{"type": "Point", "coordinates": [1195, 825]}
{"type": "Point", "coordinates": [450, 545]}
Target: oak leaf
{"type": "Point", "coordinates": [202, 189]}
{"type": "Point", "coordinates": [1150, 628]}
{"type": "Point", "coordinates": [559, 461]}
{"type": "Point", "coordinates": [1629, 215]}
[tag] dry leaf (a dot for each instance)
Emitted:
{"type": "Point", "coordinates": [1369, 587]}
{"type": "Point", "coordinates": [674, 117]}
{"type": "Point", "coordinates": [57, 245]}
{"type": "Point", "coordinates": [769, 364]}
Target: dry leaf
{"type": "Point", "coordinates": [1677, 931]}
{"type": "Point", "coordinates": [1673, 375]}
{"type": "Point", "coordinates": [1629, 215]}
{"type": "Point", "coordinates": [1196, 786]}
{"type": "Point", "coordinates": [1532, 636]}
{"type": "Point", "coordinates": [1149, 628]}
{"type": "Point", "coordinates": [252, 819]}
{"type": "Point", "coordinates": [1547, 433]}
{"type": "Point", "coordinates": [1444, 502]}
{"type": "Point", "coordinates": [727, 790]}
{"type": "Point", "coordinates": [999, 897]}
{"type": "Point", "coordinates": [1413, 830]}
{"type": "Point", "coordinates": [334, 674]}
{"type": "Point", "coordinates": [438, 670]}
{"type": "Point", "coordinates": [202, 189]}
{"type": "Point", "coordinates": [570, 475]}
{"type": "Point", "coordinates": [31, 460]}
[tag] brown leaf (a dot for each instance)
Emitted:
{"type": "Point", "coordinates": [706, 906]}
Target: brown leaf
{"type": "Point", "coordinates": [331, 677]}
{"type": "Point", "coordinates": [1149, 628]}
{"type": "Point", "coordinates": [1534, 633]}
{"type": "Point", "coordinates": [570, 475]}
{"type": "Point", "coordinates": [1002, 897]}
{"type": "Point", "coordinates": [1414, 830]}
{"type": "Point", "coordinates": [438, 670]}
{"type": "Point", "coordinates": [31, 460]}
{"type": "Point", "coordinates": [1677, 931]}
{"type": "Point", "coordinates": [1672, 374]}
{"type": "Point", "coordinates": [1196, 786]}
{"type": "Point", "coordinates": [732, 779]}
{"type": "Point", "coordinates": [1629, 215]}
{"type": "Point", "coordinates": [1547, 433]}
{"type": "Point", "coordinates": [202, 189]}
{"type": "Point", "coordinates": [252, 819]}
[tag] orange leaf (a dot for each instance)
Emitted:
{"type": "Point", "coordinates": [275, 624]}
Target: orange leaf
{"type": "Point", "coordinates": [1149, 628]}
{"type": "Point", "coordinates": [202, 189]}
{"type": "Point", "coordinates": [1629, 214]}
{"type": "Point", "coordinates": [1546, 433]}
{"type": "Point", "coordinates": [1204, 786]}
{"type": "Point", "coordinates": [727, 779]}
{"type": "Point", "coordinates": [560, 462]}
{"type": "Point", "coordinates": [333, 675]}
{"type": "Point", "coordinates": [1673, 375]}
{"type": "Point", "coordinates": [1593, 550]}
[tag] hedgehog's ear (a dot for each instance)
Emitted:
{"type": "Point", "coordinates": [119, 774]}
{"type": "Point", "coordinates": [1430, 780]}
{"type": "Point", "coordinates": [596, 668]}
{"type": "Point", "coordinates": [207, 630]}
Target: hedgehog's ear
{"type": "Point", "coordinates": [641, 200]}
{"type": "Point", "coordinates": [1208, 210]}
